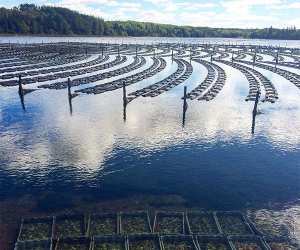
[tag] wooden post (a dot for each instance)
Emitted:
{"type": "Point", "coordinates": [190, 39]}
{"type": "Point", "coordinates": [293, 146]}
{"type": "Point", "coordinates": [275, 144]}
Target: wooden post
{"type": "Point", "coordinates": [102, 50]}
{"type": "Point", "coordinates": [254, 58]}
{"type": "Point", "coordinates": [70, 96]}
{"type": "Point", "coordinates": [276, 60]}
{"type": "Point", "coordinates": [136, 51]}
{"type": "Point", "coordinates": [185, 106]}
{"type": "Point", "coordinates": [211, 58]}
{"type": "Point", "coordinates": [21, 92]}
{"type": "Point", "coordinates": [254, 112]}
{"type": "Point", "coordinates": [124, 94]}
{"type": "Point", "coordinates": [232, 57]}
{"type": "Point", "coordinates": [124, 101]}
{"type": "Point", "coordinates": [119, 51]}
{"type": "Point", "coordinates": [69, 89]}
{"type": "Point", "coordinates": [172, 54]}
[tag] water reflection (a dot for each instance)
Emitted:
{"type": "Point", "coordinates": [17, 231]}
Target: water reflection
{"type": "Point", "coordinates": [185, 106]}
{"type": "Point", "coordinates": [254, 112]}
{"type": "Point", "coordinates": [214, 161]}
{"type": "Point", "coordinates": [21, 95]}
{"type": "Point", "coordinates": [70, 104]}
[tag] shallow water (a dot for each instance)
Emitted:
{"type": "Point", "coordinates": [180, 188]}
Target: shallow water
{"type": "Point", "coordinates": [213, 162]}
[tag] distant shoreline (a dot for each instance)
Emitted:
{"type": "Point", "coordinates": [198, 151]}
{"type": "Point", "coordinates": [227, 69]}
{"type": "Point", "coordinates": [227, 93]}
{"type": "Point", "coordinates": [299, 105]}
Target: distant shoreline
{"type": "Point", "coordinates": [139, 37]}
{"type": "Point", "coordinates": [29, 19]}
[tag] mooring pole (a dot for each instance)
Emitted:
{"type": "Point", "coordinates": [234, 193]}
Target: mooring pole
{"type": "Point", "coordinates": [254, 59]}
{"type": "Point", "coordinates": [70, 97]}
{"type": "Point", "coordinates": [211, 58]}
{"type": "Point", "coordinates": [119, 51]}
{"type": "Point", "coordinates": [276, 61]}
{"type": "Point", "coordinates": [69, 89]}
{"type": "Point", "coordinates": [232, 57]}
{"type": "Point", "coordinates": [21, 92]}
{"type": "Point", "coordinates": [124, 94]}
{"type": "Point", "coordinates": [136, 51]}
{"type": "Point", "coordinates": [184, 105]}
{"type": "Point", "coordinates": [102, 50]}
{"type": "Point", "coordinates": [254, 112]}
{"type": "Point", "coordinates": [124, 101]}
{"type": "Point", "coordinates": [172, 54]}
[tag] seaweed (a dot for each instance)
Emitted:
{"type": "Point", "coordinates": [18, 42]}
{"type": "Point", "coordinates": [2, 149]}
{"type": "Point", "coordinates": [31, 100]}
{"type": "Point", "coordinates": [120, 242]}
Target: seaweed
{"type": "Point", "coordinates": [281, 246]}
{"type": "Point", "coordinates": [35, 230]}
{"type": "Point", "coordinates": [169, 223]}
{"type": "Point", "coordinates": [271, 223]}
{"type": "Point", "coordinates": [34, 248]}
{"type": "Point", "coordinates": [242, 245]}
{"type": "Point", "coordinates": [178, 243]}
{"type": "Point", "coordinates": [73, 244]}
{"type": "Point", "coordinates": [213, 243]}
{"type": "Point", "coordinates": [216, 246]}
{"type": "Point", "coordinates": [145, 244]}
{"type": "Point", "coordinates": [202, 223]}
{"type": "Point", "coordinates": [109, 243]}
{"type": "Point", "coordinates": [69, 226]}
{"type": "Point", "coordinates": [233, 224]}
{"type": "Point", "coordinates": [108, 246]}
{"type": "Point", "coordinates": [34, 245]}
{"type": "Point", "coordinates": [135, 223]}
{"type": "Point", "coordinates": [103, 225]}
{"type": "Point", "coordinates": [282, 243]}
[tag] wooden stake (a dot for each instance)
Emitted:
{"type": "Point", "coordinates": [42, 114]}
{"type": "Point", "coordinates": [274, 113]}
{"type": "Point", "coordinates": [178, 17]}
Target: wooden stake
{"type": "Point", "coordinates": [69, 89]}
{"type": "Point", "coordinates": [124, 101]}
{"type": "Point", "coordinates": [124, 94]}
{"type": "Point", "coordinates": [185, 106]}
{"type": "Point", "coordinates": [21, 92]}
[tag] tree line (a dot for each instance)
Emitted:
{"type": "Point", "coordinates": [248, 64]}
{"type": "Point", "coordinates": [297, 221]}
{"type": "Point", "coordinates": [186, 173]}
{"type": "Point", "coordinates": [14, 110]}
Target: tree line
{"type": "Point", "coordinates": [45, 20]}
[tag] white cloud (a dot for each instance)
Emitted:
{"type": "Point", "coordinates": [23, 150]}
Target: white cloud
{"type": "Point", "coordinates": [225, 13]}
{"type": "Point", "coordinates": [286, 6]}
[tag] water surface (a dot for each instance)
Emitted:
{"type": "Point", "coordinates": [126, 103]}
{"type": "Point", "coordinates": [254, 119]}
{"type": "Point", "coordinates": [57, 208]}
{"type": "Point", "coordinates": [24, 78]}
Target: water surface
{"type": "Point", "coordinates": [213, 162]}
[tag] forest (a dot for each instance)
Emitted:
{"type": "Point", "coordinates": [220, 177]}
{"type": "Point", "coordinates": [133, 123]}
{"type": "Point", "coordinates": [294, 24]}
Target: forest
{"type": "Point", "coordinates": [28, 19]}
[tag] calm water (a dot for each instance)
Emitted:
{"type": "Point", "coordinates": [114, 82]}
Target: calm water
{"type": "Point", "coordinates": [213, 162]}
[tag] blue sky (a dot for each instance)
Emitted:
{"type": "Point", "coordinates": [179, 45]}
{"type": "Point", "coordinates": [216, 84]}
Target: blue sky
{"type": "Point", "coordinates": [215, 13]}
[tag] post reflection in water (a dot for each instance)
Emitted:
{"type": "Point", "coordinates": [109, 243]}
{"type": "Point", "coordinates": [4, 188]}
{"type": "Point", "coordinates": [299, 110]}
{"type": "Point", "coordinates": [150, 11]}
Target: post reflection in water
{"type": "Point", "coordinates": [185, 106]}
{"type": "Point", "coordinates": [254, 112]}
{"type": "Point", "coordinates": [70, 105]}
{"type": "Point", "coordinates": [21, 95]}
